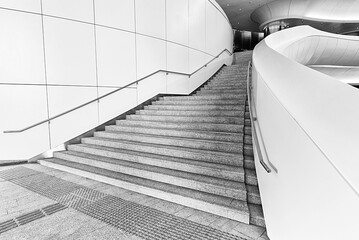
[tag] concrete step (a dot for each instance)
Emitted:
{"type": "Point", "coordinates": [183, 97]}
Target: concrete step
{"type": "Point", "coordinates": [192, 119]}
{"type": "Point", "coordinates": [231, 128]}
{"type": "Point", "coordinates": [221, 187]}
{"type": "Point", "coordinates": [229, 85]}
{"type": "Point", "coordinates": [222, 87]}
{"type": "Point", "coordinates": [181, 164]}
{"type": "Point", "coordinates": [256, 215]}
{"type": "Point", "coordinates": [247, 122]}
{"type": "Point", "coordinates": [201, 102]}
{"type": "Point", "coordinates": [247, 139]}
{"type": "Point", "coordinates": [200, 107]}
{"type": "Point", "coordinates": [253, 195]}
{"type": "Point", "coordinates": [251, 177]}
{"type": "Point", "coordinates": [226, 79]}
{"type": "Point", "coordinates": [208, 113]}
{"type": "Point", "coordinates": [206, 97]}
{"type": "Point", "coordinates": [173, 141]}
{"type": "Point", "coordinates": [248, 150]}
{"type": "Point", "coordinates": [182, 152]}
{"type": "Point", "coordinates": [248, 163]}
{"type": "Point", "coordinates": [220, 92]}
{"type": "Point", "coordinates": [207, 135]}
{"type": "Point", "coordinates": [218, 205]}
{"type": "Point", "coordinates": [248, 130]}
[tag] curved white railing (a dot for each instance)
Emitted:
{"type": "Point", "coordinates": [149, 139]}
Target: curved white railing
{"type": "Point", "coordinates": [309, 127]}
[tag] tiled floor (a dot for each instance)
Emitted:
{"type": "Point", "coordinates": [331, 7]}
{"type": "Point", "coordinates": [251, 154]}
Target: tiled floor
{"type": "Point", "coordinates": [71, 224]}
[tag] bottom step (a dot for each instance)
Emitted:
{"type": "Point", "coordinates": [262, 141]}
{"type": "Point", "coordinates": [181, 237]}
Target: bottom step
{"type": "Point", "coordinates": [218, 205]}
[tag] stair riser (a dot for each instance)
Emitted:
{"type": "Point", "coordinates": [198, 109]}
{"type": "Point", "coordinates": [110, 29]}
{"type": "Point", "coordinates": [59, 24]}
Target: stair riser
{"type": "Point", "coordinates": [228, 80]}
{"type": "Point", "coordinates": [248, 150]}
{"type": "Point", "coordinates": [192, 113]}
{"type": "Point", "coordinates": [248, 131]}
{"type": "Point", "coordinates": [219, 87]}
{"type": "Point", "coordinates": [159, 177]}
{"type": "Point", "coordinates": [216, 136]}
{"type": "Point", "coordinates": [220, 120]}
{"type": "Point", "coordinates": [248, 140]}
{"type": "Point", "coordinates": [233, 91]}
{"type": "Point", "coordinates": [221, 92]}
{"type": "Point", "coordinates": [205, 104]}
{"type": "Point", "coordinates": [215, 146]}
{"type": "Point", "coordinates": [206, 97]}
{"type": "Point", "coordinates": [235, 160]}
{"type": "Point", "coordinates": [183, 200]}
{"type": "Point", "coordinates": [185, 126]}
{"type": "Point", "coordinates": [180, 166]}
{"type": "Point", "coordinates": [249, 164]}
{"type": "Point", "coordinates": [254, 199]}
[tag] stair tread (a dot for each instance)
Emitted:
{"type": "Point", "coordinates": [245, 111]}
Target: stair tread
{"type": "Point", "coordinates": [190, 131]}
{"type": "Point", "coordinates": [165, 146]}
{"type": "Point", "coordinates": [176, 123]}
{"type": "Point", "coordinates": [171, 137]}
{"type": "Point", "coordinates": [195, 134]}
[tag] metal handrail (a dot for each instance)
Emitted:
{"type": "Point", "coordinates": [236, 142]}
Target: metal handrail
{"type": "Point", "coordinates": [255, 125]}
{"type": "Point", "coordinates": [114, 91]}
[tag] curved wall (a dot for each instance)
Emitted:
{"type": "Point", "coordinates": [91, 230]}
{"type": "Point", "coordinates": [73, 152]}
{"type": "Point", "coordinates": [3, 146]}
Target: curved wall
{"type": "Point", "coordinates": [58, 54]}
{"type": "Point", "coordinates": [309, 127]}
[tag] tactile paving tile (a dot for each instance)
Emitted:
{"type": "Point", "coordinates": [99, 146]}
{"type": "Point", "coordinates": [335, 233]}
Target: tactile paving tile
{"type": "Point", "coordinates": [130, 217]}
{"type": "Point", "coordinates": [18, 172]}
{"type": "Point", "coordinates": [7, 225]}
{"type": "Point", "coordinates": [149, 223]}
{"type": "Point", "coordinates": [48, 210]}
{"type": "Point", "coordinates": [29, 217]}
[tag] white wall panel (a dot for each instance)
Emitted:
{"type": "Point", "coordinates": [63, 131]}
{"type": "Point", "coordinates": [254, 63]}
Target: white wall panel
{"type": "Point", "coordinates": [70, 52]}
{"type": "Point", "coordinates": [177, 84]}
{"type": "Point", "coordinates": [21, 48]}
{"type": "Point", "coordinates": [81, 10]}
{"type": "Point", "coordinates": [115, 13]}
{"type": "Point", "coordinates": [151, 55]}
{"type": "Point", "coordinates": [116, 60]}
{"type": "Point", "coordinates": [73, 124]}
{"type": "Point", "coordinates": [211, 29]}
{"type": "Point", "coordinates": [196, 60]}
{"type": "Point", "coordinates": [150, 18]}
{"type": "Point", "coordinates": [151, 87]}
{"type": "Point", "coordinates": [20, 107]}
{"type": "Point", "coordinates": [23, 5]}
{"type": "Point", "coordinates": [177, 58]}
{"type": "Point", "coordinates": [64, 98]}
{"type": "Point", "coordinates": [119, 103]}
{"type": "Point", "coordinates": [177, 21]}
{"type": "Point", "coordinates": [197, 24]}
{"type": "Point", "coordinates": [197, 79]}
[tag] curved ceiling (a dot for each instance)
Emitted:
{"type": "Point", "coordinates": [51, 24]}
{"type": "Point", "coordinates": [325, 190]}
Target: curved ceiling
{"type": "Point", "coordinates": [253, 15]}
{"type": "Point", "coordinates": [239, 12]}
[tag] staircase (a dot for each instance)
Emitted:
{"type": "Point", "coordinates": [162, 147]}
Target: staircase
{"type": "Point", "coordinates": [192, 150]}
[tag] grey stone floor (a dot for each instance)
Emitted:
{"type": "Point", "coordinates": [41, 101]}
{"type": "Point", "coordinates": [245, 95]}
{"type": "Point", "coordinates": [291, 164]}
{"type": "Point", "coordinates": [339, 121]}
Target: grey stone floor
{"type": "Point", "coordinates": [71, 224]}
